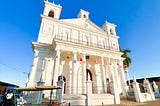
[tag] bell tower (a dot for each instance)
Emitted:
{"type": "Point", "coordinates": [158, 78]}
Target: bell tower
{"type": "Point", "coordinates": [52, 10]}
{"type": "Point", "coordinates": [83, 14]}
{"type": "Point", "coordinates": [49, 27]}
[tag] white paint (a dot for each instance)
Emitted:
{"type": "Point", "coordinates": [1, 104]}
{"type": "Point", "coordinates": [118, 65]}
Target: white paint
{"type": "Point", "coordinates": [61, 49]}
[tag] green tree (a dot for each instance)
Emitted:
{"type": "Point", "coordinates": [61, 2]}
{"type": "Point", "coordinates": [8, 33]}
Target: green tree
{"type": "Point", "coordinates": [127, 61]}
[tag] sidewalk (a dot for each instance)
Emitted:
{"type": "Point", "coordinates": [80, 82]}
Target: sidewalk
{"type": "Point", "coordinates": [123, 103]}
{"type": "Point", "coordinates": [132, 103]}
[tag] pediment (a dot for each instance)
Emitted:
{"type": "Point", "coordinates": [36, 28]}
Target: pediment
{"type": "Point", "coordinates": [84, 24]}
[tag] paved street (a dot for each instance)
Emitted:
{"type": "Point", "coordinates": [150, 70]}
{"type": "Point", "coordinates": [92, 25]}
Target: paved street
{"type": "Point", "coordinates": [132, 103]}
{"type": "Point", "coordinates": [126, 103]}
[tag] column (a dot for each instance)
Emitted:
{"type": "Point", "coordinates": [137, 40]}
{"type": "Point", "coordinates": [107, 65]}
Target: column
{"type": "Point", "coordinates": [84, 74]}
{"type": "Point", "coordinates": [155, 86]}
{"type": "Point", "coordinates": [122, 78]}
{"type": "Point", "coordinates": [49, 75]}
{"type": "Point", "coordinates": [59, 92]}
{"type": "Point", "coordinates": [148, 87]}
{"type": "Point", "coordinates": [55, 72]}
{"type": "Point", "coordinates": [56, 67]}
{"type": "Point", "coordinates": [89, 92]}
{"type": "Point", "coordinates": [111, 80]}
{"type": "Point", "coordinates": [103, 75]}
{"type": "Point", "coordinates": [137, 92]}
{"type": "Point", "coordinates": [32, 74]}
{"type": "Point", "coordinates": [73, 86]}
{"type": "Point", "coordinates": [117, 79]}
{"type": "Point", "coordinates": [49, 70]}
{"type": "Point", "coordinates": [114, 87]}
{"type": "Point", "coordinates": [44, 71]}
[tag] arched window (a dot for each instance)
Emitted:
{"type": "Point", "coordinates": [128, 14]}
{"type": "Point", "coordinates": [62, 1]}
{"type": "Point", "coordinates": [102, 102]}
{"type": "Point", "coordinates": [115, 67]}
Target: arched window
{"type": "Point", "coordinates": [51, 14]}
{"type": "Point", "coordinates": [84, 16]}
{"type": "Point", "coordinates": [111, 32]}
{"type": "Point", "coordinates": [64, 79]}
{"type": "Point", "coordinates": [88, 75]}
{"type": "Point", "coordinates": [67, 36]}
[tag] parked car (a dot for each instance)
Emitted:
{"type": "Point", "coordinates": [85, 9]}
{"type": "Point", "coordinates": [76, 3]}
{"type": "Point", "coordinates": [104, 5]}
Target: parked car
{"type": "Point", "coordinates": [1, 99]}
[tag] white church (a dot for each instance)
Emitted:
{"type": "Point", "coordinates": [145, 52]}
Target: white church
{"type": "Point", "coordinates": [85, 55]}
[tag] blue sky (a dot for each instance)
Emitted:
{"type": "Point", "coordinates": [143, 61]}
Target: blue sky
{"type": "Point", "coordinates": [138, 26]}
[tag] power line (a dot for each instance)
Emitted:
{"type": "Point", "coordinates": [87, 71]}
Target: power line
{"type": "Point", "coordinates": [2, 62]}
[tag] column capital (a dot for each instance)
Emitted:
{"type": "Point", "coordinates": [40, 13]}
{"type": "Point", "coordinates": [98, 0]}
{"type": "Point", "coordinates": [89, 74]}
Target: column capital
{"type": "Point", "coordinates": [36, 52]}
{"type": "Point", "coordinates": [74, 59]}
{"type": "Point", "coordinates": [58, 50]}
{"type": "Point", "coordinates": [83, 52]}
{"type": "Point", "coordinates": [84, 57]}
{"type": "Point", "coordinates": [109, 60]}
{"type": "Point", "coordinates": [102, 56]}
{"type": "Point", "coordinates": [74, 52]}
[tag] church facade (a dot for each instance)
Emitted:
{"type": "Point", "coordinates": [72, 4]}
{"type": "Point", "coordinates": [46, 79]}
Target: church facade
{"type": "Point", "coordinates": [85, 55]}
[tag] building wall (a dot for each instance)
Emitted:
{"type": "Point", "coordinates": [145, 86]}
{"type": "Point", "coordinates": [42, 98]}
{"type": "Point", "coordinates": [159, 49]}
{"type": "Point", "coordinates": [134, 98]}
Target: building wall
{"type": "Point", "coordinates": [61, 50]}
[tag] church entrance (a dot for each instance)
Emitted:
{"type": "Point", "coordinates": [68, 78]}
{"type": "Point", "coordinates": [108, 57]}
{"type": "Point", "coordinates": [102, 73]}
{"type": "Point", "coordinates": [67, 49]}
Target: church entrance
{"type": "Point", "coordinates": [88, 75]}
{"type": "Point", "coordinates": [64, 79]}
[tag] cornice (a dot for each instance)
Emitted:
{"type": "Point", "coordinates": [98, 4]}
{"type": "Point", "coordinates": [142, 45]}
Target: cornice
{"type": "Point", "coordinates": [52, 4]}
{"type": "Point", "coordinates": [73, 26]}
{"type": "Point", "coordinates": [44, 45]}
{"type": "Point", "coordinates": [83, 47]}
{"type": "Point", "coordinates": [113, 36]}
{"type": "Point", "coordinates": [108, 23]}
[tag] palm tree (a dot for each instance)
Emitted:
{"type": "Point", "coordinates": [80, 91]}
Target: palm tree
{"type": "Point", "coordinates": [126, 62]}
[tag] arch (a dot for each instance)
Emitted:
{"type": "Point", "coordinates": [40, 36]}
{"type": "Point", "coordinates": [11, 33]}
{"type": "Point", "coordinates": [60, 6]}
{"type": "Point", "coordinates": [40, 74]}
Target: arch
{"type": "Point", "coordinates": [88, 72]}
{"type": "Point", "coordinates": [85, 40]}
{"type": "Point", "coordinates": [60, 77]}
{"type": "Point", "coordinates": [66, 74]}
{"type": "Point", "coordinates": [84, 16]}
{"type": "Point", "coordinates": [103, 42]}
{"type": "Point", "coordinates": [66, 35]}
{"type": "Point", "coordinates": [51, 14]}
{"type": "Point", "coordinates": [108, 85]}
{"type": "Point", "coordinates": [64, 79]}
{"type": "Point", "coordinates": [111, 32]}
{"type": "Point", "coordinates": [91, 72]}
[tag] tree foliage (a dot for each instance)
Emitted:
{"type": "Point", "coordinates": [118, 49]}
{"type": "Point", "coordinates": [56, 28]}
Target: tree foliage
{"type": "Point", "coordinates": [127, 61]}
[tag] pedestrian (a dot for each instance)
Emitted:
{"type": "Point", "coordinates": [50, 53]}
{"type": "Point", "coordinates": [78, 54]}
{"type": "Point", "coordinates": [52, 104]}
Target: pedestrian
{"type": "Point", "coordinates": [9, 97]}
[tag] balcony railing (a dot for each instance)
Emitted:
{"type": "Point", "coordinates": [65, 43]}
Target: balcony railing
{"type": "Point", "coordinates": [85, 43]}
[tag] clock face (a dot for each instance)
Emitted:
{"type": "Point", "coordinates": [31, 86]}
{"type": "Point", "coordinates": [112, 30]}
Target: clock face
{"type": "Point", "coordinates": [113, 44]}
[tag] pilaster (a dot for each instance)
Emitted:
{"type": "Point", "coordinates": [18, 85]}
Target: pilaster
{"type": "Point", "coordinates": [84, 74]}
{"type": "Point", "coordinates": [117, 78]}
{"type": "Point", "coordinates": [114, 87]}
{"type": "Point", "coordinates": [103, 75]}
{"type": "Point", "coordinates": [137, 91]}
{"type": "Point", "coordinates": [56, 67]}
{"type": "Point", "coordinates": [74, 59]}
{"type": "Point", "coordinates": [148, 87]}
{"type": "Point", "coordinates": [31, 81]}
{"type": "Point", "coordinates": [122, 78]}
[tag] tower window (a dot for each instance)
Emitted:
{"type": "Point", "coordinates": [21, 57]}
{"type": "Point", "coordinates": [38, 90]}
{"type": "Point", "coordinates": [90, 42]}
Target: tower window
{"type": "Point", "coordinates": [84, 16]}
{"type": "Point", "coordinates": [87, 57]}
{"type": "Point", "coordinates": [51, 14]}
{"type": "Point", "coordinates": [111, 31]}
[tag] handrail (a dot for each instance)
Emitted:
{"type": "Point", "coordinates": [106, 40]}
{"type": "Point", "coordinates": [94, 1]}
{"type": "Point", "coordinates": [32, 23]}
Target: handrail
{"type": "Point", "coordinates": [91, 44]}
